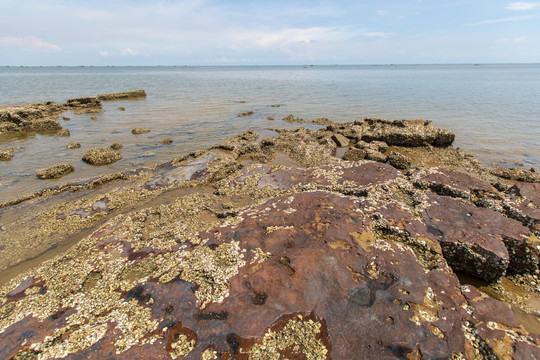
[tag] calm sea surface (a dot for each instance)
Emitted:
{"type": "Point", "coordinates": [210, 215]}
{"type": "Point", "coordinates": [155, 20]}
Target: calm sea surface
{"type": "Point", "coordinates": [494, 109]}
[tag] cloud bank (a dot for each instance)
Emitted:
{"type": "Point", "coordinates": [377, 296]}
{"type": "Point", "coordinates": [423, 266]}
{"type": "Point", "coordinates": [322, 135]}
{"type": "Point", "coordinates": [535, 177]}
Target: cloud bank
{"type": "Point", "coordinates": [205, 32]}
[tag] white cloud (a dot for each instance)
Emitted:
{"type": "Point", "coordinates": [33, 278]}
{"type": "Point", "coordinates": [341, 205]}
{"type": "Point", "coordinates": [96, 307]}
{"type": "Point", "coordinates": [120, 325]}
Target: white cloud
{"type": "Point", "coordinates": [297, 35]}
{"type": "Point", "coordinates": [519, 39]}
{"type": "Point", "coordinates": [507, 19]}
{"type": "Point", "coordinates": [28, 43]}
{"type": "Point", "coordinates": [128, 52]}
{"type": "Point", "coordinates": [123, 52]}
{"type": "Point", "coordinates": [522, 5]}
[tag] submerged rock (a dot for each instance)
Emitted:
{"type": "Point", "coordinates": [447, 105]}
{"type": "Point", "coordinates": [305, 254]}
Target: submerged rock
{"type": "Point", "coordinates": [89, 104]}
{"type": "Point", "coordinates": [138, 131]}
{"type": "Point", "coordinates": [64, 132]}
{"type": "Point", "coordinates": [122, 95]}
{"type": "Point", "coordinates": [167, 141]}
{"type": "Point", "coordinates": [6, 155]}
{"type": "Point", "coordinates": [101, 156]}
{"type": "Point", "coordinates": [246, 113]}
{"type": "Point", "coordinates": [74, 145]}
{"type": "Point", "coordinates": [56, 171]}
{"type": "Point", "coordinates": [116, 146]}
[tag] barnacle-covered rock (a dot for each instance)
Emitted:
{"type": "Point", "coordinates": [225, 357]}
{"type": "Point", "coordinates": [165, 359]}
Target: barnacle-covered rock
{"type": "Point", "coordinates": [301, 255]}
{"type": "Point", "coordinates": [101, 156]}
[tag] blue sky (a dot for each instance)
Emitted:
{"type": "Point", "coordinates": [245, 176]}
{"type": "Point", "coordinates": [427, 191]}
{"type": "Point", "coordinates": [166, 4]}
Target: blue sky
{"type": "Point", "coordinates": [212, 32]}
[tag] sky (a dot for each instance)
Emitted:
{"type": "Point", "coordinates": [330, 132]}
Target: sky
{"type": "Point", "coordinates": [238, 32]}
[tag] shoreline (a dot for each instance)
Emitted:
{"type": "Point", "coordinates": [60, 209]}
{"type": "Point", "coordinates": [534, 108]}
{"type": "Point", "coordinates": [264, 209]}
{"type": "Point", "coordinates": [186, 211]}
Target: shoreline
{"type": "Point", "coordinates": [275, 241]}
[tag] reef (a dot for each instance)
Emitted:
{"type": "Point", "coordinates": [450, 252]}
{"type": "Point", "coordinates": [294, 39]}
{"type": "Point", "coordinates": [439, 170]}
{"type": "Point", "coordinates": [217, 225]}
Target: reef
{"type": "Point", "coordinates": [43, 117]}
{"type": "Point", "coordinates": [278, 248]}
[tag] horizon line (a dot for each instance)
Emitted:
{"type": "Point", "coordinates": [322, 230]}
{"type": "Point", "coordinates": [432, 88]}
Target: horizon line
{"type": "Point", "coordinates": [280, 65]}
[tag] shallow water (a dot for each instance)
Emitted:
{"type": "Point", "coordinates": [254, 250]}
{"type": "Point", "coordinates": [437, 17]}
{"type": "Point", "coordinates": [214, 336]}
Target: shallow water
{"type": "Point", "coordinates": [494, 109]}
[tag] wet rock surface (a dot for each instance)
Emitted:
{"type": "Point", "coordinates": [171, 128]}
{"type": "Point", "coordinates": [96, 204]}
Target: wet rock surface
{"type": "Point", "coordinates": [101, 156]}
{"type": "Point", "coordinates": [56, 171]}
{"type": "Point", "coordinates": [133, 94]}
{"type": "Point", "coordinates": [74, 145]}
{"type": "Point", "coordinates": [32, 117]}
{"type": "Point", "coordinates": [275, 248]}
{"type": "Point", "coordinates": [6, 154]}
{"type": "Point", "coordinates": [138, 131]}
{"type": "Point", "coordinates": [530, 176]}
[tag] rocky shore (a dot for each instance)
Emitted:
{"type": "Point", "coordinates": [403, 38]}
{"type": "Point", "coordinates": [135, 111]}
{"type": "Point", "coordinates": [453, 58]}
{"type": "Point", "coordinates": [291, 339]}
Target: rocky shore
{"type": "Point", "coordinates": [277, 247]}
{"type": "Point", "coordinates": [41, 117]}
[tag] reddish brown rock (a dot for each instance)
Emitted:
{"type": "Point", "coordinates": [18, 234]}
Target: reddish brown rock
{"type": "Point", "coordinates": [299, 276]}
{"type": "Point", "coordinates": [352, 177]}
{"type": "Point", "coordinates": [523, 204]}
{"type": "Point", "coordinates": [499, 327]}
{"type": "Point", "coordinates": [480, 241]}
{"type": "Point", "coordinates": [451, 183]}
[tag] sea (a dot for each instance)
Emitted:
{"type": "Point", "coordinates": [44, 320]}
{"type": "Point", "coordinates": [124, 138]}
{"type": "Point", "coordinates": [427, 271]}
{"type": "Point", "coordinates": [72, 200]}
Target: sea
{"type": "Point", "coordinates": [494, 109]}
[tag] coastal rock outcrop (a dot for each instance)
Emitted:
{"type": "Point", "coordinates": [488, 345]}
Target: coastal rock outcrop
{"type": "Point", "coordinates": [125, 95]}
{"type": "Point", "coordinates": [41, 117]}
{"type": "Point", "coordinates": [31, 117]}
{"type": "Point", "coordinates": [275, 248]}
{"type": "Point", "coordinates": [403, 132]}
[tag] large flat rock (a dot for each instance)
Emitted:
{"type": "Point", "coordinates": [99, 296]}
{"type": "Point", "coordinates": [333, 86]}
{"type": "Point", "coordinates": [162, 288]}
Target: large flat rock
{"type": "Point", "coordinates": [300, 276]}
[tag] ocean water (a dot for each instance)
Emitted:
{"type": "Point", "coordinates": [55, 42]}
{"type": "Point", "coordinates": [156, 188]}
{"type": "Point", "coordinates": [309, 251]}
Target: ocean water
{"type": "Point", "coordinates": [493, 109]}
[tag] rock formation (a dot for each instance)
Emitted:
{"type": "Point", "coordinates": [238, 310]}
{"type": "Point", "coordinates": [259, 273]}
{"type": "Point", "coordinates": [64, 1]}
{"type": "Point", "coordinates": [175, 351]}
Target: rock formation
{"type": "Point", "coordinates": [101, 156]}
{"type": "Point", "coordinates": [56, 171]}
{"type": "Point", "coordinates": [274, 248]}
{"type": "Point", "coordinates": [42, 117]}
